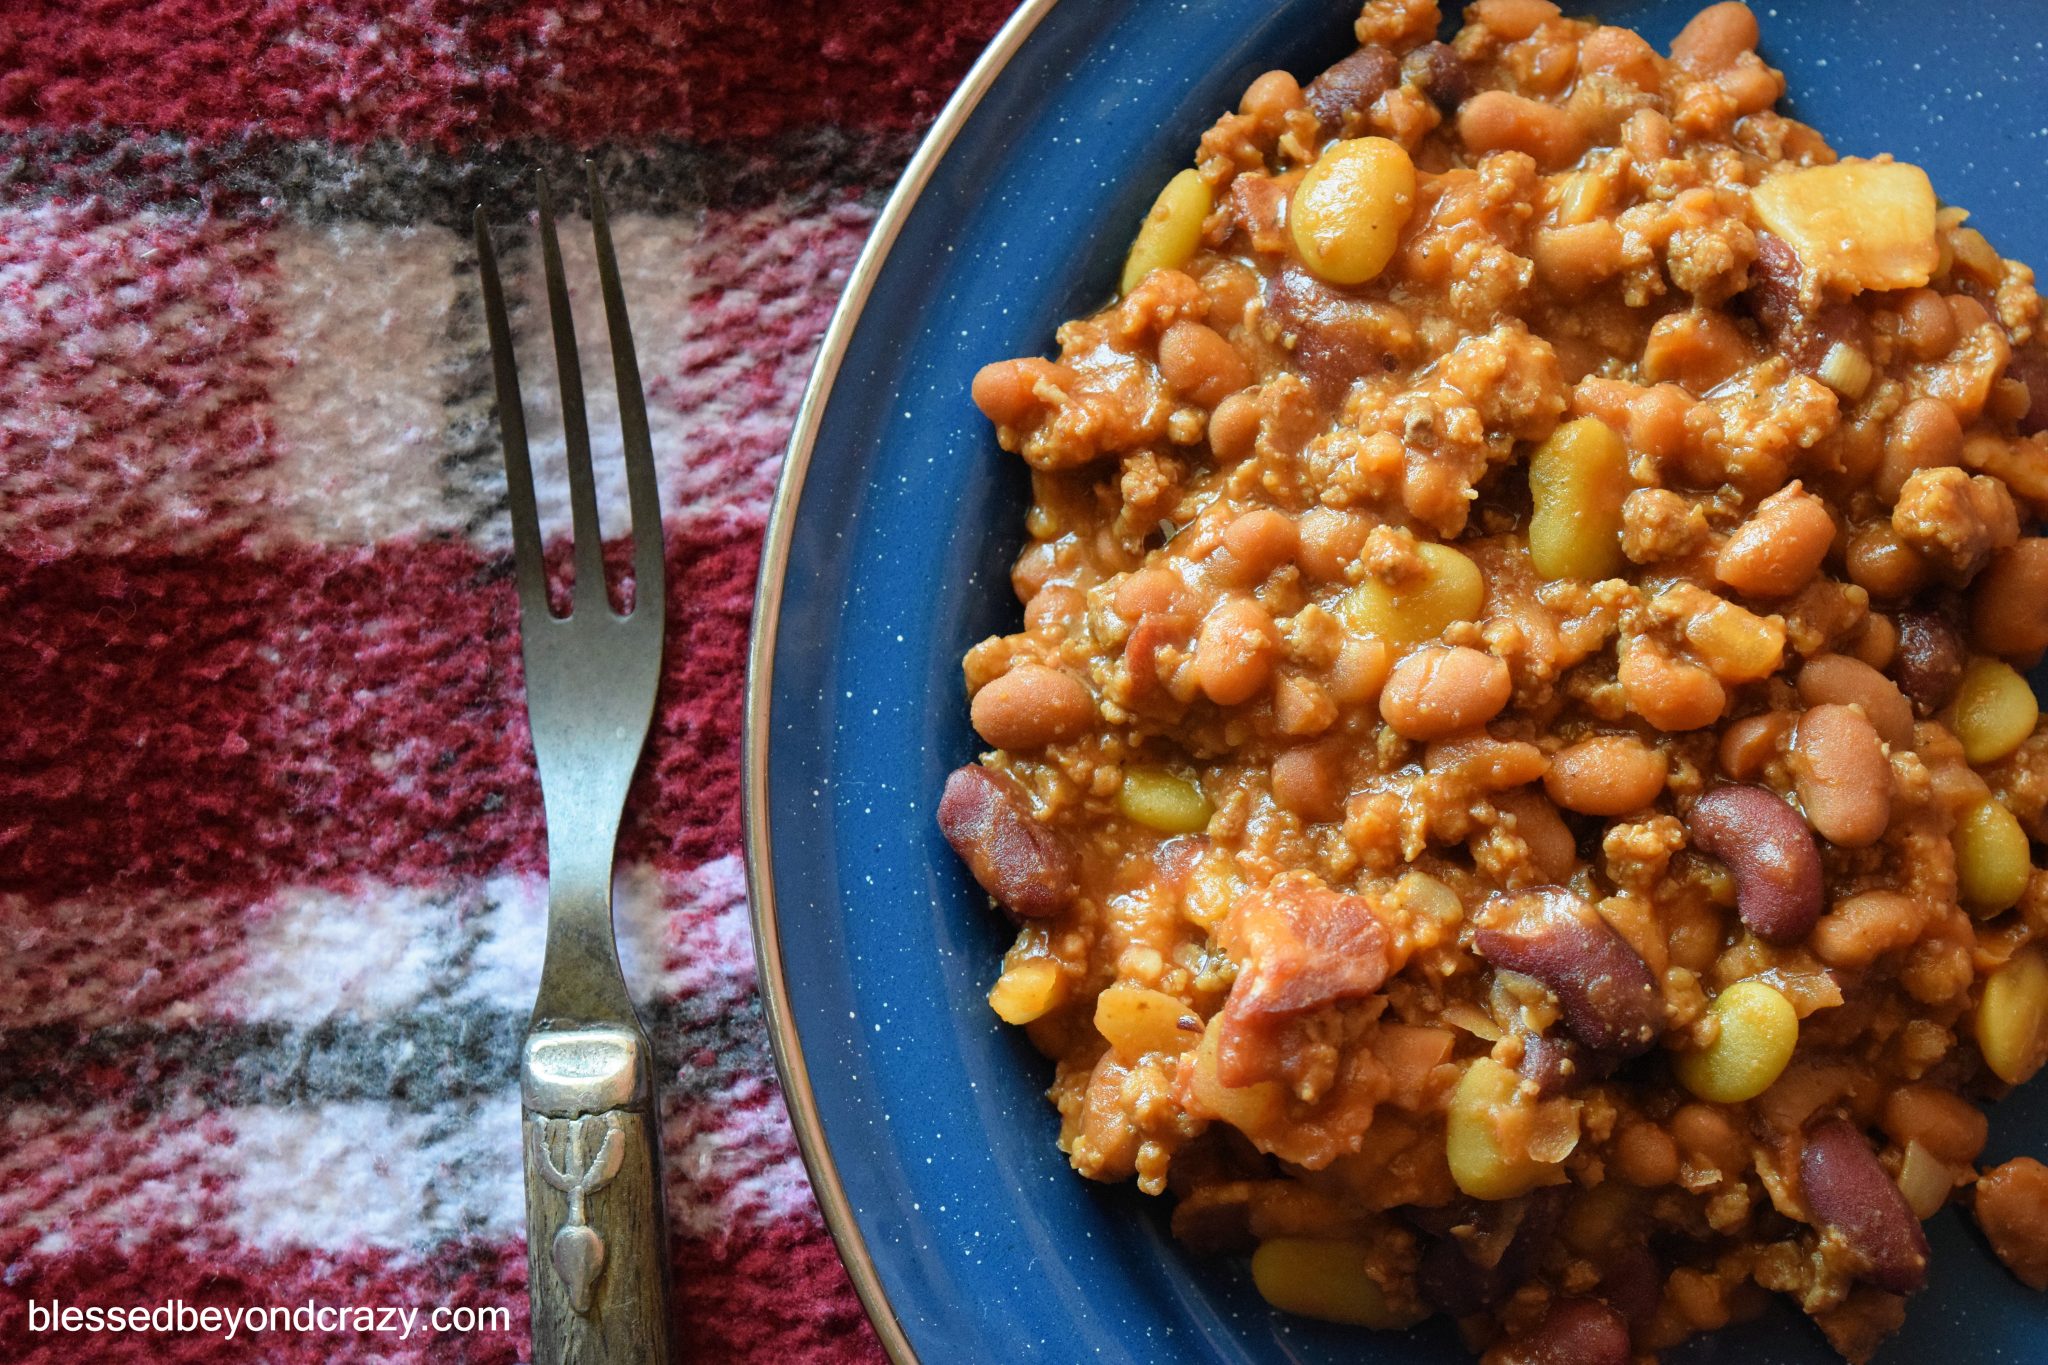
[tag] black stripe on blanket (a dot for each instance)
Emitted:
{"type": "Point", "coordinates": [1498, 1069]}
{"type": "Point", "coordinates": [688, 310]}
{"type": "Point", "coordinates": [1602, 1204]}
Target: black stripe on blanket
{"type": "Point", "coordinates": [414, 1060]}
{"type": "Point", "coordinates": [391, 184]}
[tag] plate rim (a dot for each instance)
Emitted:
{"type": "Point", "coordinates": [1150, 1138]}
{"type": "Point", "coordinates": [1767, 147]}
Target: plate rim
{"type": "Point", "coordinates": [791, 1069]}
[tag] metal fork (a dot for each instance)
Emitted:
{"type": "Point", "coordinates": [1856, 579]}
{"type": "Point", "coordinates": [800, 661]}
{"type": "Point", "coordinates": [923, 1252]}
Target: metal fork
{"type": "Point", "coordinates": [596, 1233]}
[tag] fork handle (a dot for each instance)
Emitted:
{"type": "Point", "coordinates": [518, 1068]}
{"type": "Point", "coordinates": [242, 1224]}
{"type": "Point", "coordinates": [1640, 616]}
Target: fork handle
{"type": "Point", "coordinates": [595, 1230]}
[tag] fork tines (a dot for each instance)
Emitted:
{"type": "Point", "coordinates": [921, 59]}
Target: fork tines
{"type": "Point", "coordinates": [589, 589]}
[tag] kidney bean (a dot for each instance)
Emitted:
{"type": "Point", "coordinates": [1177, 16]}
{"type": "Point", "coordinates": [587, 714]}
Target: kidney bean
{"type": "Point", "coordinates": [1451, 1284]}
{"type": "Point", "coordinates": [1030, 707]}
{"type": "Point", "coordinates": [1444, 690]}
{"type": "Point", "coordinates": [1608, 997]}
{"type": "Point", "coordinates": [1929, 661]}
{"type": "Point", "coordinates": [2009, 600]}
{"type": "Point", "coordinates": [1632, 1283]}
{"type": "Point", "coordinates": [1844, 781]}
{"type": "Point", "coordinates": [1176, 858]}
{"type": "Point", "coordinates": [987, 819]}
{"type": "Point", "coordinates": [1454, 1275]}
{"type": "Point", "coordinates": [1141, 651]}
{"type": "Point", "coordinates": [1443, 76]}
{"type": "Point", "coordinates": [1770, 852]}
{"type": "Point", "coordinates": [1352, 85]}
{"type": "Point", "coordinates": [1337, 337]}
{"type": "Point", "coordinates": [1840, 679]}
{"type": "Point", "coordinates": [1848, 1191]}
{"type": "Point", "coordinates": [2029, 365]}
{"type": "Point", "coordinates": [1773, 292]}
{"type": "Point", "coordinates": [1576, 1332]}
{"type": "Point", "coordinates": [1549, 1063]}
{"type": "Point", "coordinates": [1773, 297]}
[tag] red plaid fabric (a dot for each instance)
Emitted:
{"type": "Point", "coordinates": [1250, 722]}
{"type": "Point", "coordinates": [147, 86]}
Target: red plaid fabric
{"type": "Point", "coordinates": [270, 841]}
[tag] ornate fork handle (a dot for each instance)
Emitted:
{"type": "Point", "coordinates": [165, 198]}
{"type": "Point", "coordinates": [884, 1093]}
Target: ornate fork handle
{"type": "Point", "coordinates": [591, 1198]}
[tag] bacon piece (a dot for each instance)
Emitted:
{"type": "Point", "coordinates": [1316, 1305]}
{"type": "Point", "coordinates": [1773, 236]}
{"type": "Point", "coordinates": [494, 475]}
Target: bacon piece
{"type": "Point", "coordinates": [1299, 947]}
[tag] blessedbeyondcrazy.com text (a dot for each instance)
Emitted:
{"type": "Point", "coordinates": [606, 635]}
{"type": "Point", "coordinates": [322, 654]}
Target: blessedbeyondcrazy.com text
{"type": "Point", "coordinates": [228, 1323]}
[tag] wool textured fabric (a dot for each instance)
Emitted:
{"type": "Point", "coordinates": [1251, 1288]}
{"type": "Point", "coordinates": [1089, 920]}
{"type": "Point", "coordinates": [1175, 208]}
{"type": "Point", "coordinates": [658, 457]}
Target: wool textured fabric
{"type": "Point", "coordinates": [271, 850]}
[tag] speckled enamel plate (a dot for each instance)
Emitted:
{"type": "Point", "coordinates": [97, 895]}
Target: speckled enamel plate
{"type": "Point", "coordinates": [923, 1121]}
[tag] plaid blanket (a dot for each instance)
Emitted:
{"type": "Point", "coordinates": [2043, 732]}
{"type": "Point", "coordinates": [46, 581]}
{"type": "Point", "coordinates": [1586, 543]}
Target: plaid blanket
{"type": "Point", "coordinates": [271, 852]}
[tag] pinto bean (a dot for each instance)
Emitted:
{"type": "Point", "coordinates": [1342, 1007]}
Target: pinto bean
{"type": "Point", "coordinates": [1623, 54]}
{"type": "Point", "coordinates": [1875, 641]}
{"type": "Point", "coordinates": [1840, 679]}
{"type": "Point", "coordinates": [1552, 848]}
{"type": "Point", "coordinates": [1010, 393]}
{"type": "Point", "coordinates": [1198, 362]}
{"type": "Point", "coordinates": [1712, 39]}
{"type": "Point", "coordinates": [1234, 653]}
{"type": "Point", "coordinates": [2012, 1209]}
{"type": "Point", "coordinates": [1310, 781]}
{"type": "Point", "coordinates": [987, 819]}
{"type": "Point", "coordinates": [1779, 549]}
{"type": "Point", "coordinates": [1882, 564]}
{"type": "Point", "coordinates": [1146, 592]}
{"type": "Point", "coordinates": [1769, 851]}
{"type": "Point", "coordinates": [1923, 435]}
{"type": "Point", "coordinates": [1261, 541]}
{"type": "Point", "coordinates": [1271, 97]}
{"type": "Point", "coordinates": [1929, 661]}
{"type": "Point", "coordinates": [2009, 600]}
{"type": "Point", "coordinates": [1576, 1332]}
{"type": "Point", "coordinates": [1943, 1122]}
{"type": "Point", "coordinates": [1606, 775]}
{"type": "Point", "coordinates": [1645, 1156]}
{"type": "Point", "coordinates": [1866, 926]}
{"type": "Point", "coordinates": [1749, 744]}
{"type": "Point", "coordinates": [1495, 121]}
{"type": "Point", "coordinates": [1030, 707]}
{"type": "Point", "coordinates": [1844, 780]}
{"type": "Point", "coordinates": [1668, 692]}
{"type": "Point", "coordinates": [1609, 1000]}
{"type": "Point", "coordinates": [1848, 1191]}
{"type": "Point", "coordinates": [1443, 690]}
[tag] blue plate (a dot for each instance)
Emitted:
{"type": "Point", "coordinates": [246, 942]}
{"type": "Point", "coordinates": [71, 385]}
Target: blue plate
{"type": "Point", "coordinates": [922, 1119]}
